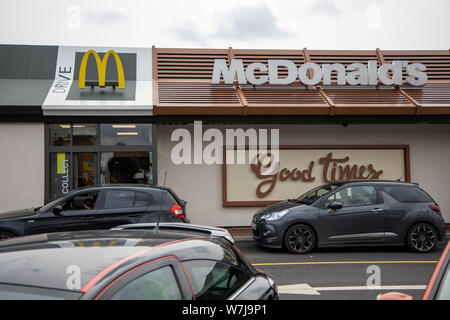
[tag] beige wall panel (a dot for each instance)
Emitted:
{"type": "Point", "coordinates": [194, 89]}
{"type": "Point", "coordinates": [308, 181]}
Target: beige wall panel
{"type": "Point", "coordinates": [201, 185]}
{"type": "Point", "coordinates": [21, 165]}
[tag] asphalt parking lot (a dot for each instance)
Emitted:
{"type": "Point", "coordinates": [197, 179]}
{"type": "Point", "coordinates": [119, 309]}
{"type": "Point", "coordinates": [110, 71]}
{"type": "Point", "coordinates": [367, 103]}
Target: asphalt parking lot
{"type": "Point", "coordinates": [344, 273]}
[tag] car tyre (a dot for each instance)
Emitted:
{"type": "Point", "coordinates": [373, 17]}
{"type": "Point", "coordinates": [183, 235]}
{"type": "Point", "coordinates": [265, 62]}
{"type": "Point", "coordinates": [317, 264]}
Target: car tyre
{"type": "Point", "coordinates": [5, 235]}
{"type": "Point", "coordinates": [422, 238]}
{"type": "Point", "coordinates": [300, 239]}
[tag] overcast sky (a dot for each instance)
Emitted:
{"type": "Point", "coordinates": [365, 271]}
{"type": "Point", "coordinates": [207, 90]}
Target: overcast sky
{"type": "Point", "coordinates": [280, 24]}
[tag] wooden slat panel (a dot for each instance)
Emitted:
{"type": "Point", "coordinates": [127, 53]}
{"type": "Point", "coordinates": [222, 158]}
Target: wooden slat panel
{"type": "Point", "coordinates": [374, 109]}
{"type": "Point", "coordinates": [438, 94]}
{"type": "Point", "coordinates": [283, 109]}
{"type": "Point", "coordinates": [184, 87]}
{"type": "Point", "coordinates": [385, 96]}
{"type": "Point", "coordinates": [195, 64]}
{"type": "Point", "coordinates": [195, 109]}
{"type": "Point", "coordinates": [345, 57]}
{"type": "Point", "coordinates": [196, 93]}
{"type": "Point", "coordinates": [436, 61]}
{"type": "Point", "coordinates": [251, 56]}
{"type": "Point", "coordinates": [274, 95]}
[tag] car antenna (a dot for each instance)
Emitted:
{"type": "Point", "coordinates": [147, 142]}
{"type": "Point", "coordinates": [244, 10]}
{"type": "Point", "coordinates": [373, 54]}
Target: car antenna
{"type": "Point", "coordinates": [400, 179]}
{"type": "Point", "coordinates": [160, 204]}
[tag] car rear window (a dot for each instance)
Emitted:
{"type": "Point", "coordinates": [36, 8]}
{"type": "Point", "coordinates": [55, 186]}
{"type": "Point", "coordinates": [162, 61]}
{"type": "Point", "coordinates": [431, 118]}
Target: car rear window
{"type": "Point", "coordinates": [142, 199]}
{"type": "Point", "coordinates": [125, 199]}
{"type": "Point", "coordinates": [169, 198]}
{"type": "Point", "coordinates": [407, 194]}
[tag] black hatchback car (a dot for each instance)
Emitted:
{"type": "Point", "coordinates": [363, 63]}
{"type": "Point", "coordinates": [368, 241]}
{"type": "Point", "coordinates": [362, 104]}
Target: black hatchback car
{"type": "Point", "coordinates": [130, 265]}
{"type": "Point", "coordinates": [101, 207]}
{"type": "Point", "coordinates": [352, 213]}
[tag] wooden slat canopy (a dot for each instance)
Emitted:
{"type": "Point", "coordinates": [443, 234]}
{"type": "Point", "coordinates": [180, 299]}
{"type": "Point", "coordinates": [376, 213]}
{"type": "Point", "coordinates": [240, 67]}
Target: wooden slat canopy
{"type": "Point", "coordinates": [182, 85]}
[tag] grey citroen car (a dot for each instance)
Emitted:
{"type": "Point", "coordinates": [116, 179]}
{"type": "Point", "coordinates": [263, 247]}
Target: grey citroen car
{"type": "Point", "coordinates": [352, 213]}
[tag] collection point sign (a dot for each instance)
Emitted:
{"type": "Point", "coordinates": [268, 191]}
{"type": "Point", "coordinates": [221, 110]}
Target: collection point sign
{"type": "Point", "coordinates": [353, 74]}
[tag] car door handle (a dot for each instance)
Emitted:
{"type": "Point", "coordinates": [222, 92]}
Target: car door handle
{"type": "Point", "coordinates": [377, 210]}
{"type": "Point", "coordinates": [134, 215]}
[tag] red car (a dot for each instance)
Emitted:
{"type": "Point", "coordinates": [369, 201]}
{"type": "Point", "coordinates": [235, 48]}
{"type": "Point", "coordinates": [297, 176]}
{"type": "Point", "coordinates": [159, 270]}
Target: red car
{"type": "Point", "coordinates": [438, 287]}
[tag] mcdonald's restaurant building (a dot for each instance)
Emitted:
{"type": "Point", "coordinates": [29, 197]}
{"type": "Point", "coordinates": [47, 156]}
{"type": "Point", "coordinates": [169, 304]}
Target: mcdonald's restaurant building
{"type": "Point", "coordinates": [79, 116]}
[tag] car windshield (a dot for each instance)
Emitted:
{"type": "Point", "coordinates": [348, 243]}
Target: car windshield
{"type": "Point", "coordinates": [54, 202]}
{"type": "Point", "coordinates": [316, 193]}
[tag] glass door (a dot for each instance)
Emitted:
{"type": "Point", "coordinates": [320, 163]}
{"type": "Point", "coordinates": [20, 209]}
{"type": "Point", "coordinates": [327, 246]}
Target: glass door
{"type": "Point", "coordinates": [60, 173]}
{"type": "Point", "coordinates": [85, 169]}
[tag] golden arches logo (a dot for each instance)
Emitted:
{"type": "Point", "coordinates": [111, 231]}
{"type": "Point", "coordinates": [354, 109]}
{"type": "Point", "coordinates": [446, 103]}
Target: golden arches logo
{"type": "Point", "coordinates": [101, 69]}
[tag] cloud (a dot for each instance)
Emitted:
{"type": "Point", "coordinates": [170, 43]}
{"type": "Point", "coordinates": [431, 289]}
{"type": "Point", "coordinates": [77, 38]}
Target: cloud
{"type": "Point", "coordinates": [328, 7]}
{"type": "Point", "coordinates": [188, 31]}
{"type": "Point", "coordinates": [106, 17]}
{"type": "Point", "coordinates": [247, 23]}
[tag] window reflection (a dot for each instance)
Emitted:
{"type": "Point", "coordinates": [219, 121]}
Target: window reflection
{"type": "Point", "coordinates": [125, 134]}
{"type": "Point", "coordinates": [59, 135]}
{"type": "Point", "coordinates": [85, 169]}
{"type": "Point", "coordinates": [126, 167]}
{"type": "Point", "coordinates": [84, 134]}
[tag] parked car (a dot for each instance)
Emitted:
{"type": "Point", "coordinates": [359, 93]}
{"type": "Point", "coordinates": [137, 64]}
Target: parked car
{"type": "Point", "coordinates": [353, 213]}
{"type": "Point", "coordinates": [101, 207]}
{"type": "Point", "coordinates": [174, 227]}
{"type": "Point", "coordinates": [438, 287]}
{"type": "Point", "coordinates": [138, 264]}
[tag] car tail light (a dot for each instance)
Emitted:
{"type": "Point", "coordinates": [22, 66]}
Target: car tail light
{"type": "Point", "coordinates": [436, 209]}
{"type": "Point", "coordinates": [178, 211]}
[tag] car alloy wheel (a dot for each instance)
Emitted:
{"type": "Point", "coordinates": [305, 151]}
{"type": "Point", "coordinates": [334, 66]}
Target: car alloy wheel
{"type": "Point", "coordinates": [422, 237]}
{"type": "Point", "coordinates": [300, 239]}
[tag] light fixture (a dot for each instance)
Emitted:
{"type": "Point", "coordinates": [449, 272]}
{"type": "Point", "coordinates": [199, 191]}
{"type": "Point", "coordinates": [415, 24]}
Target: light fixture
{"type": "Point", "coordinates": [124, 126]}
{"type": "Point", "coordinates": [65, 126]}
{"type": "Point", "coordinates": [130, 133]}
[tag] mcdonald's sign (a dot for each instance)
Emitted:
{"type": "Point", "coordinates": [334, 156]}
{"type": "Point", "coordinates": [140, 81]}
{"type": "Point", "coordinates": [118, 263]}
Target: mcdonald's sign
{"type": "Point", "coordinates": [101, 68]}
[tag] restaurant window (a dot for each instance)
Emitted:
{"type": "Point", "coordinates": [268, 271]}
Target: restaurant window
{"type": "Point", "coordinates": [126, 167]}
{"type": "Point", "coordinates": [84, 134]}
{"type": "Point", "coordinates": [60, 135]}
{"type": "Point", "coordinates": [125, 134]}
{"type": "Point", "coordinates": [83, 155]}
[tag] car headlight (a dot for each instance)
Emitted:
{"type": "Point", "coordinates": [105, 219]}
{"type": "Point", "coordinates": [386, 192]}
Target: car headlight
{"type": "Point", "coordinates": [274, 215]}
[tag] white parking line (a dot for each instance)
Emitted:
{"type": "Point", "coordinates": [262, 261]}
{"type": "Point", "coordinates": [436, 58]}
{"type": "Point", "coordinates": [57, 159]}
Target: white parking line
{"type": "Point", "coordinates": [301, 288]}
{"type": "Point", "coordinates": [306, 289]}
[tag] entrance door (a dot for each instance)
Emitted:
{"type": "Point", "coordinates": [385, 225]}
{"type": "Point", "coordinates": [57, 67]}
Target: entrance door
{"type": "Point", "coordinates": [85, 169]}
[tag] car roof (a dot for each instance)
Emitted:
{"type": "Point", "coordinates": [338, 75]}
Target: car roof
{"type": "Point", "coordinates": [45, 260]}
{"type": "Point", "coordinates": [355, 182]}
{"type": "Point", "coordinates": [123, 185]}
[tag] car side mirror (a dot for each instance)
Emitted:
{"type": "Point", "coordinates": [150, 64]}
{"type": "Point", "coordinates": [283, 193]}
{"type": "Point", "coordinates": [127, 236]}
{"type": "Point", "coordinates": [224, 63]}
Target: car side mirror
{"type": "Point", "coordinates": [335, 205]}
{"type": "Point", "coordinates": [57, 210]}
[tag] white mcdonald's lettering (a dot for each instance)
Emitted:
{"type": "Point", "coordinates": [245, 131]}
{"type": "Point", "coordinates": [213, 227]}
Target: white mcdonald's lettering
{"type": "Point", "coordinates": [353, 74]}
